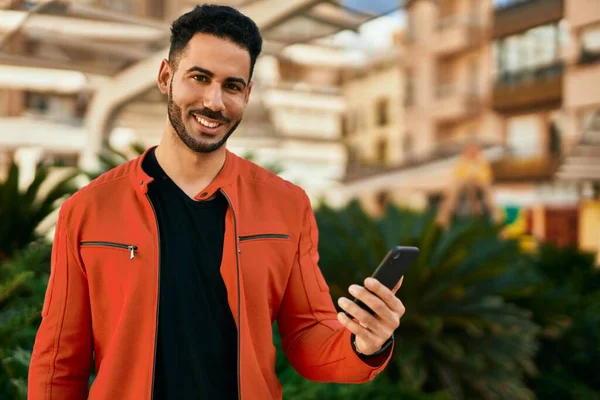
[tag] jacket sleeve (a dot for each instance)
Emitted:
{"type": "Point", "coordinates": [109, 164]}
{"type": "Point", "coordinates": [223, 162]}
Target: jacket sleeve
{"type": "Point", "coordinates": [62, 352]}
{"type": "Point", "coordinates": [317, 345]}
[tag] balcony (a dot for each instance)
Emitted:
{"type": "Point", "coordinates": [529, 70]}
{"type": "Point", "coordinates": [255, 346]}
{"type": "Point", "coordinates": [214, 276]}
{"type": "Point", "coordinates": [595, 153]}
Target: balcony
{"type": "Point", "coordinates": [514, 16]}
{"type": "Point", "coordinates": [582, 12]}
{"type": "Point", "coordinates": [517, 169]}
{"type": "Point", "coordinates": [454, 103]}
{"type": "Point", "coordinates": [57, 135]}
{"type": "Point", "coordinates": [541, 87]}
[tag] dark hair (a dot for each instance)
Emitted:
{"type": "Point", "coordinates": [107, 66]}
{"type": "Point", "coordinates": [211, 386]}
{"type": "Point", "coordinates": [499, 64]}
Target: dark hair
{"type": "Point", "coordinates": [220, 21]}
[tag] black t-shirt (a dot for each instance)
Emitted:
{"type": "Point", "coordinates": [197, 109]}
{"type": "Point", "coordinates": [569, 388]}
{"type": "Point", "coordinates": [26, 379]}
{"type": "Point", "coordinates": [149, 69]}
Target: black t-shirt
{"type": "Point", "coordinates": [196, 356]}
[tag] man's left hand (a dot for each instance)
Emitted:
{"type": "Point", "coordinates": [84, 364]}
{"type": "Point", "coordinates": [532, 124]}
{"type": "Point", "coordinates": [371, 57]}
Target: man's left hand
{"type": "Point", "coordinates": [372, 330]}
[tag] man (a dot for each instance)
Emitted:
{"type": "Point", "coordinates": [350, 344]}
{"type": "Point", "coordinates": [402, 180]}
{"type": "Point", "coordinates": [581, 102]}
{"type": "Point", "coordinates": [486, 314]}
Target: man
{"type": "Point", "coordinates": [171, 269]}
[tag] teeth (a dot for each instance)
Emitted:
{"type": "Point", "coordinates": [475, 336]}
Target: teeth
{"type": "Point", "coordinates": [206, 123]}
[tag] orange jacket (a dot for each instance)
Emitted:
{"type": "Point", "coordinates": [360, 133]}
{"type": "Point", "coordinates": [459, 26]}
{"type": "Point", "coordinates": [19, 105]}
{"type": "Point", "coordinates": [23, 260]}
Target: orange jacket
{"type": "Point", "coordinates": [102, 299]}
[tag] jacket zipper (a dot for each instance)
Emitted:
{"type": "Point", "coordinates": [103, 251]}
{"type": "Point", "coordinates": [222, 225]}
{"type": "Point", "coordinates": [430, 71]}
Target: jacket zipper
{"type": "Point", "coordinates": [157, 299]}
{"type": "Point", "coordinates": [237, 268]}
{"type": "Point", "coordinates": [264, 236]}
{"type": "Point", "coordinates": [132, 248]}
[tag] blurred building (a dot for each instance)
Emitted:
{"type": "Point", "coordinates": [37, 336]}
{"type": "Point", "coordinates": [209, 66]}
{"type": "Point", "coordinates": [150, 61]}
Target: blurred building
{"type": "Point", "coordinates": [374, 122]}
{"type": "Point", "coordinates": [446, 84]}
{"type": "Point", "coordinates": [581, 103]}
{"type": "Point", "coordinates": [518, 78]}
{"type": "Point", "coordinates": [545, 57]}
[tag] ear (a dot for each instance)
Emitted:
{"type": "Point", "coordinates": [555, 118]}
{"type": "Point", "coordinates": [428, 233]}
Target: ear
{"type": "Point", "coordinates": [247, 94]}
{"type": "Point", "coordinates": [165, 74]}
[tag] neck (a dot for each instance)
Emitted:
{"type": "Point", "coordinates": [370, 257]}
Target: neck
{"type": "Point", "coordinates": [191, 171]}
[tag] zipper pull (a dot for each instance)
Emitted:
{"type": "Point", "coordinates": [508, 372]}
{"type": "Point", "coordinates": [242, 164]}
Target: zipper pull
{"type": "Point", "coordinates": [132, 249]}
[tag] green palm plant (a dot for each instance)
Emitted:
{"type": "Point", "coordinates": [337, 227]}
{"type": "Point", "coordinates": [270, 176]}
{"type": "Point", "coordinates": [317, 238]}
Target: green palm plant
{"type": "Point", "coordinates": [567, 306]}
{"type": "Point", "coordinates": [23, 281]}
{"type": "Point", "coordinates": [458, 334]}
{"type": "Point", "coordinates": [21, 211]}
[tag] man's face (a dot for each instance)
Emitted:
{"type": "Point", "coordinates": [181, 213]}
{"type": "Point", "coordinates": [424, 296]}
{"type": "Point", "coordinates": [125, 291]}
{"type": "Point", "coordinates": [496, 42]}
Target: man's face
{"type": "Point", "coordinates": [208, 92]}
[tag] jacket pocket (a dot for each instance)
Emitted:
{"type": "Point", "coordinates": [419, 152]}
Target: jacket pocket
{"type": "Point", "coordinates": [265, 236]}
{"type": "Point", "coordinates": [129, 247]}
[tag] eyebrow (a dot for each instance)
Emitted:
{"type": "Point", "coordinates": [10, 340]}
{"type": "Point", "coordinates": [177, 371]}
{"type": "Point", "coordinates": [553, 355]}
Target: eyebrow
{"type": "Point", "coordinates": [210, 74]}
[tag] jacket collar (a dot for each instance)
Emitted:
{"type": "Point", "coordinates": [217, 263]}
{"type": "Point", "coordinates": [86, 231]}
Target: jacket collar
{"type": "Point", "coordinates": [228, 174]}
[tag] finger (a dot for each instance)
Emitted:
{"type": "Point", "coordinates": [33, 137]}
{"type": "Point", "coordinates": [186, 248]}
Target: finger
{"type": "Point", "coordinates": [386, 295]}
{"type": "Point", "coordinates": [398, 285]}
{"type": "Point", "coordinates": [364, 318]}
{"type": "Point", "coordinates": [353, 327]}
{"type": "Point", "coordinates": [380, 309]}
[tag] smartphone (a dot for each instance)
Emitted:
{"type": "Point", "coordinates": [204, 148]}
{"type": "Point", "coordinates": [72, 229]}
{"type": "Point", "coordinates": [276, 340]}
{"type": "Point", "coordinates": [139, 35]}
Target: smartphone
{"type": "Point", "coordinates": [392, 268]}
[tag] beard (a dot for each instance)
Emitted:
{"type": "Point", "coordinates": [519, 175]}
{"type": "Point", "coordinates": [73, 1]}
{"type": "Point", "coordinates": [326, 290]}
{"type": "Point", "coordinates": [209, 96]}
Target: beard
{"type": "Point", "coordinates": [196, 145]}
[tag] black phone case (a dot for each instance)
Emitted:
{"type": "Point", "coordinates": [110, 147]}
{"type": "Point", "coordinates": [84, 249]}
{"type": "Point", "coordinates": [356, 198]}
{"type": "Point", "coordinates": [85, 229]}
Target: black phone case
{"type": "Point", "coordinates": [392, 268]}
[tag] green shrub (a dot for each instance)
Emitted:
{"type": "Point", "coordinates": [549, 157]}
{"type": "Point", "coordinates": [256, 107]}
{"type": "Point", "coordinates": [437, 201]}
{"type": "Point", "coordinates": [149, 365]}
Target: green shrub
{"type": "Point", "coordinates": [23, 282]}
{"type": "Point", "coordinates": [458, 334]}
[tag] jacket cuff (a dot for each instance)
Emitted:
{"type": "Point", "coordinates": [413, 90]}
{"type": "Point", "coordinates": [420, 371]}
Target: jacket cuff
{"type": "Point", "coordinates": [379, 357]}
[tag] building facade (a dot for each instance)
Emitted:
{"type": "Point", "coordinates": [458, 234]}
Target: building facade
{"type": "Point", "coordinates": [517, 77]}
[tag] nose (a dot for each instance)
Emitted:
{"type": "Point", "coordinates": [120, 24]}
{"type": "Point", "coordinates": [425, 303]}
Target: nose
{"type": "Point", "coordinates": [213, 98]}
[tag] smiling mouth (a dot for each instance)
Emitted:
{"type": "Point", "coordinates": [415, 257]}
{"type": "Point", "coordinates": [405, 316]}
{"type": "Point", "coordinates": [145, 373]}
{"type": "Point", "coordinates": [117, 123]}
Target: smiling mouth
{"type": "Point", "coordinates": [206, 123]}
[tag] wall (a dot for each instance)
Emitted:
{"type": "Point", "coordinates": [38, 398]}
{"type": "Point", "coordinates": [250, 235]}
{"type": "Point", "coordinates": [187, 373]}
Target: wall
{"type": "Point", "coordinates": [362, 94]}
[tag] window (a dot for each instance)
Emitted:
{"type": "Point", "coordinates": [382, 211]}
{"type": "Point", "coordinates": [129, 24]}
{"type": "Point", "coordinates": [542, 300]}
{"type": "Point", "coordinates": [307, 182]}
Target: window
{"type": "Point", "coordinates": [54, 107]}
{"type": "Point", "coordinates": [382, 112]}
{"type": "Point", "coordinates": [409, 89]}
{"type": "Point", "coordinates": [344, 125]}
{"type": "Point", "coordinates": [382, 149]}
{"type": "Point", "coordinates": [524, 136]}
{"type": "Point", "coordinates": [407, 146]}
{"type": "Point", "coordinates": [590, 38]}
{"type": "Point", "coordinates": [348, 123]}
{"type": "Point", "coordinates": [536, 48]}
{"type": "Point", "coordinates": [590, 45]}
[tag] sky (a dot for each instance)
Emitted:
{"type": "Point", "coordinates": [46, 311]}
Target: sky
{"type": "Point", "coordinates": [375, 35]}
{"type": "Point", "coordinates": [375, 6]}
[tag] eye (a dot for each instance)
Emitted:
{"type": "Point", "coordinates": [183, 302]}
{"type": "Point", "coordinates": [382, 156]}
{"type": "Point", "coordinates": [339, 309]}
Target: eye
{"type": "Point", "coordinates": [200, 78]}
{"type": "Point", "coordinates": [233, 87]}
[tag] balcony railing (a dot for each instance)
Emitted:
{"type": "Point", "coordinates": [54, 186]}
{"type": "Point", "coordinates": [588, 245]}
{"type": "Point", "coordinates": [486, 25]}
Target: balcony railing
{"type": "Point", "coordinates": [529, 88]}
{"type": "Point", "coordinates": [509, 78]}
{"type": "Point", "coordinates": [510, 168]}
